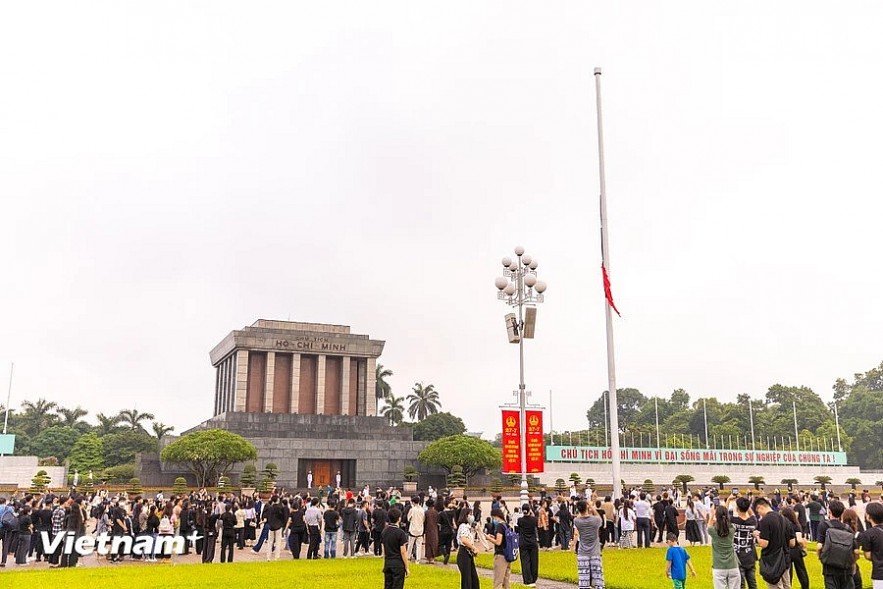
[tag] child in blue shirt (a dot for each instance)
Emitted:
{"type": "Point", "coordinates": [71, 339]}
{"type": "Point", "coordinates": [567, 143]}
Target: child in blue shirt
{"type": "Point", "coordinates": [677, 561]}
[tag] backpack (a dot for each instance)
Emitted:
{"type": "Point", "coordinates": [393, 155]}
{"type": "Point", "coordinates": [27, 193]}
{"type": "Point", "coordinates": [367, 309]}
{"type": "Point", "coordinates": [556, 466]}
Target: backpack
{"type": "Point", "coordinates": [510, 549]}
{"type": "Point", "coordinates": [8, 521]}
{"type": "Point", "coordinates": [837, 551]}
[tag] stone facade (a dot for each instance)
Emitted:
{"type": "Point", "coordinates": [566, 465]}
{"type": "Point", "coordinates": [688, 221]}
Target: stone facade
{"type": "Point", "coordinates": [365, 449]}
{"type": "Point", "coordinates": [295, 367]}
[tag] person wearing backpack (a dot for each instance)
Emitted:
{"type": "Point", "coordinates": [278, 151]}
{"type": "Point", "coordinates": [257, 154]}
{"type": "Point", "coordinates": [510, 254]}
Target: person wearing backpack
{"type": "Point", "coordinates": [775, 538]}
{"type": "Point", "coordinates": [8, 529]}
{"type": "Point", "coordinates": [837, 549]}
{"type": "Point", "coordinates": [501, 537]}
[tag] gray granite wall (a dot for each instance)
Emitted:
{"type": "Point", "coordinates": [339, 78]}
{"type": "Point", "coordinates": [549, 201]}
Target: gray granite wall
{"type": "Point", "coordinates": [380, 451]}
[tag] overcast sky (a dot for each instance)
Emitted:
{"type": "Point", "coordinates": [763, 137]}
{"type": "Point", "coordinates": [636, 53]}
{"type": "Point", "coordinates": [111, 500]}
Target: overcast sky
{"type": "Point", "coordinates": [172, 171]}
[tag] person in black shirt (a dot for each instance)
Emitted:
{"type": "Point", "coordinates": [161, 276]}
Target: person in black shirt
{"type": "Point", "coordinates": [775, 537]}
{"type": "Point", "coordinates": [835, 578]}
{"type": "Point", "coordinates": [528, 545]}
{"type": "Point", "coordinates": [349, 521]}
{"type": "Point", "coordinates": [671, 518]}
{"type": "Point", "coordinates": [502, 568]}
{"type": "Point", "coordinates": [395, 552]}
{"type": "Point", "coordinates": [297, 529]}
{"type": "Point", "coordinates": [332, 524]}
{"type": "Point", "coordinates": [743, 541]}
{"type": "Point", "coordinates": [228, 534]}
{"type": "Point", "coordinates": [446, 523]}
{"type": "Point", "coordinates": [380, 516]}
{"type": "Point", "coordinates": [659, 518]}
{"type": "Point", "coordinates": [565, 525]}
{"type": "Point", "coordinates": [871, 541]}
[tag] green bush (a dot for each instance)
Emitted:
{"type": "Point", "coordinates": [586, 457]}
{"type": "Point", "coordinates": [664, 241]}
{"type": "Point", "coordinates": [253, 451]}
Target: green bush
{"type": "Point", "coordinates": [180, 486]}
{"type": "Point", "coordinates": [456, 478]}
{"type": "Point", "coordinates": [249, 475]}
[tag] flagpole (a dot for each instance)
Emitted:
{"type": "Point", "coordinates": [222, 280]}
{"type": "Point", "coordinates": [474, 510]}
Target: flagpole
{"type": "Point", "coordinates": [656, 401]}
{"type": "Point", "coordinates": [837, 425]}
{"type": "Point", "coordinates": [9, 399]}
{"type": "Point", "coordinates": [605, 261]}
{"type": "Point", "coordinates": [705, 412]}
{"type": "Point", "coordinates": [796, 434]}
{"type": "Point", "coordinates": [751, 416]}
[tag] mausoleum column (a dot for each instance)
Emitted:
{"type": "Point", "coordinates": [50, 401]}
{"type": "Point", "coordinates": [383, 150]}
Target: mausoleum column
{"type": "Point", "coordinates": [320, 380]}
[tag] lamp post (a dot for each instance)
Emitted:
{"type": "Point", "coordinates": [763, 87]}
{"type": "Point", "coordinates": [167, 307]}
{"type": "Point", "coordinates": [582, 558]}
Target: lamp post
{"type": "Point", "coordinates": [519, 287]}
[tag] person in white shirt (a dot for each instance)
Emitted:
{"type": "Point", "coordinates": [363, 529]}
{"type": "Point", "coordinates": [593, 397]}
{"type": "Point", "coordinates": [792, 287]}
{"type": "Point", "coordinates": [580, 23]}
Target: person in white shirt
{"type": "Point", "coordinates": [702, 515]}
{"type": "Point", "coordinates": [416, 519]}
{"type": "Point", "coordinates": [642, 515]}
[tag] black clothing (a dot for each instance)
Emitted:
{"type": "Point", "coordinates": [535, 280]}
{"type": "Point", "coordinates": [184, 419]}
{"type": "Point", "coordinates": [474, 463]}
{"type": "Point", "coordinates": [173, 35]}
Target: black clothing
{"type": "Point", "coordinates": [777, 531]}
{"type": "Point", "coordinates": [798, 567]}
{"type": "Point", "coordinates": [349, 519]}
{"type": "Point", "coordinates": [466, 564]}
{"type": "Point", "coordinates": [530, 562]}
{"type": "Point", "coordinates": [275, 516]}
{"type": "Point", "coordinates": [393, 538]}
{"type": "Point", "coordinates": [500, 528]}
{"type": "Point", "coordinates": [872, 541]}
{"type": "Point", "coordinates": [527, 532]}
{"type": "Point", "coordinates": [332, 520]}
{"type": "Point", "coordinates": [313, 548]}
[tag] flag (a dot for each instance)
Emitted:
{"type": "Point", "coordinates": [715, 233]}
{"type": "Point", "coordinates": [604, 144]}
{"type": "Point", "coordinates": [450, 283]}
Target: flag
{"type": "Point", "coordinates": [607, 292]}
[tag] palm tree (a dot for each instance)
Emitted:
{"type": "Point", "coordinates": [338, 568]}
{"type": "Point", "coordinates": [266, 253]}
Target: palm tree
{"type": "Point", "coordinates": [852, 481]}
{"type": "Point", "coordinates": [393, 409]}
{"type": "Point", "coordinates": [757, 481]}
{"type": "Point", "coordinates": [133, 419]}
{"type": "Point", "coordinates": [879, 483]}
{"type": "Point", "coordinates": [823, 480]}
{"type": "Point", "coordinates": [37, 416]}
{"type": "Point", "coordinates": [71, 418]}
{"type": "Point", "coordinates": [107, 424]}
{"type": "Point", "coordinates": [160, 429]}
{"type": "Point", "coordinates": [423, 401]}
{"type": "Point", "coordinates": [721, 480]}
{"type": "Point", "coordinates": [382, 389]}
{"type": "Point", "coordinates": [683, 479]}
{"type": "Point", "coordinates": [790, 483]}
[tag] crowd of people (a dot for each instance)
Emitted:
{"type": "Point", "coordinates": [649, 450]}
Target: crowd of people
{"type": "Point", "coordinates": [431, 527]}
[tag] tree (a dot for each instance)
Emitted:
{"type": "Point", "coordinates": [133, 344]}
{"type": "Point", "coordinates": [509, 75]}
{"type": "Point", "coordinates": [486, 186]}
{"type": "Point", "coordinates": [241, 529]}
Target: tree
{"type": "Point", "coordinates": [160, 429]}
{"type": "Point", "coordinates": [134, 486]}
{"type": "Point", "coordinates": [209, 453]}
{"type": "Point", "coordinates": [123, 446]}
{"type": "Point", "coordinates": [823, 480]}
{"type": "Point", "coordinates": [423, 401]}
{"type": "Point", "coordinates": [37, 417]}
{"type": "Point", "coordinates": [393, 409]}
{"type": "Point", "coordinates": [721, 480]}
{"type": "Point", "coordinates": [55, 441]}
{"type": "Point", "coordinates": [853, 481]}
{"type": "Point", "coordinates": [472, 454]}
{"type": "Point", "coordinates": [118, 474]}
{"type": "Point", "coordinates": [560, 486]}
{"type": "Point", "coordinates": [757, 481]}
{"type": "Point", "coordinates": [790, 483]}
{"type": "Point", "coordinates": [575, 478]}
{"type": "Point", "coordinates": [40, 481]}
{"type": "Point", "coordinates": [180, 486]}
{"type": "Point", "coordinates": [249, 476]}
{"type": "Point", "coordinates": [71, 418]}
{"type": "Point", "coordinates": [649, 487]}
{"type": "Point", "coordinates": [382, 390]}
{"type": "Point", "coordinates": [87, 454]}
{"type": "Point", "coordinates": [456, 478]}
{"type": "Point", "coordinates": [107, 424]}
{"type": "Point", "coordinates": [132, 419]}
{"type": "Point", "coordinates": [683, 479]}
{"type": "Point", "coordinates": [271, 471]}
{"type": "Point", "coordinates": [880, 484]}
{"type": "Point", "coordinates": [410, 473]}
{"type": "Point", "coordinates": [438, 425]}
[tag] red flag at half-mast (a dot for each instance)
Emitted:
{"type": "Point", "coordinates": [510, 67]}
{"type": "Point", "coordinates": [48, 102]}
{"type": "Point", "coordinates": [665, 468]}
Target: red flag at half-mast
{"type": "Point", "coordinates": [607, 292]}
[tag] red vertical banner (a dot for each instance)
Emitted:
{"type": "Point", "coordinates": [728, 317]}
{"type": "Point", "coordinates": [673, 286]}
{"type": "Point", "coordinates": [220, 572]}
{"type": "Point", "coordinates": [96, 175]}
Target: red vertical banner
{"type": "Point", "coordinates": [535, 444]}
{"type": "Point", "coordinates": [511, 442]}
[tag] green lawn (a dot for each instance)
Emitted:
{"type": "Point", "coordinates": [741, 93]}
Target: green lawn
{"type": "Point", "coordinates": [360, 573]}
{"type": "Point", "coordinates": [645, 568]}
